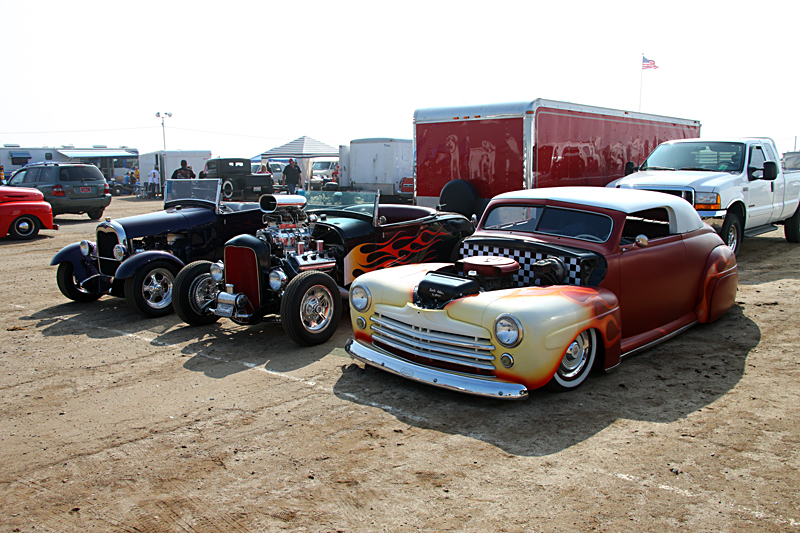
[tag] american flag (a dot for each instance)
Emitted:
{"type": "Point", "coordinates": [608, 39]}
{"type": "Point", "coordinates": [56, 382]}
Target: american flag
{"type": "Point", "coordinates": [648, 63]}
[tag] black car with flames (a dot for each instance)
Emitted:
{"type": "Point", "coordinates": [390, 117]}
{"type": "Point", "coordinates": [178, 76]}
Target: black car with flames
{"type": "Point", "coordinates": [311, 248]}
{"type": "Point", "coordinates": [138, 257]}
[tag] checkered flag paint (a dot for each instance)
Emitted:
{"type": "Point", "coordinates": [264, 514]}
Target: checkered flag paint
{"type": "Point", "coordinates": [526, 259]}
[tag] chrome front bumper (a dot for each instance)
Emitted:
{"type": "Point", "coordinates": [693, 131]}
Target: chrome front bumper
{"type": "Point", "coordinates": [478, 386]}
{"type": "Point", "coordinates": [715, 219]}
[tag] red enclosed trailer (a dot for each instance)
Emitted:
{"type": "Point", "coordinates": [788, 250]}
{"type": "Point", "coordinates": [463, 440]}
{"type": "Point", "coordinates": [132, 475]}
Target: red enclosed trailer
{"type": "Point", "coordinates": [463, 156]}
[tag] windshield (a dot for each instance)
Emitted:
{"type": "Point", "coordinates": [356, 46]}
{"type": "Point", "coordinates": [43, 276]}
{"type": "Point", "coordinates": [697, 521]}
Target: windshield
{"type": "Point", "coordinates": [712, 156]}
{"type": "Point", "coordinates": [353, 201]}
{"type": "Point", "coordinates": [321, 165]}
{"type": "Point", "coordinates": [576, 224]}
{"type": "Point", "coordinates": [191, 189]}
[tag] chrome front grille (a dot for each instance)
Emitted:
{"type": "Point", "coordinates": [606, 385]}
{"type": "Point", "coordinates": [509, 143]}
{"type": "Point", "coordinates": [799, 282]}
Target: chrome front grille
{"type": "Point", "coordinates": [106, 240]}
{"type": "Point", "coordinates": [686, 194]}
{"type": "Point", "coordinates": [433, 348]}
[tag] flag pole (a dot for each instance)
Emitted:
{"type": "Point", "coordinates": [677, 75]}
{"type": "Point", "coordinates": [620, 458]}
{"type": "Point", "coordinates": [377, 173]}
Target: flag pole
{"type": "Point", "coordinates": [641, 77]}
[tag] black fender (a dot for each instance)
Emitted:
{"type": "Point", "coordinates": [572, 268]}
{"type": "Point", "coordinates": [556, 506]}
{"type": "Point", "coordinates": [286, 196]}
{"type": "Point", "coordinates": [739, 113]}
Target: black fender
{"type": "Point", "coordinates": [131, 266]}
{"type": "Point", "coordinates": [82, 267]}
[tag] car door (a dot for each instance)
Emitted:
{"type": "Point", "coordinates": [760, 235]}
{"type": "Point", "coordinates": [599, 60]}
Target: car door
{"type": "Point", "coordinates": [658, 283]}
{"type": "Point", "coordinates": [758, 192]}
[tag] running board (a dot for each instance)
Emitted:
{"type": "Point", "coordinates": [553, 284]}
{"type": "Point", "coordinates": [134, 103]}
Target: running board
{"type": "Point", "coordinates": [752, 232]}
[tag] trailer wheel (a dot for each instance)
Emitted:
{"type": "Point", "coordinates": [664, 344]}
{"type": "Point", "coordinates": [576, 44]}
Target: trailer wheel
{"type": "Point", "coordinates": [458, 196]}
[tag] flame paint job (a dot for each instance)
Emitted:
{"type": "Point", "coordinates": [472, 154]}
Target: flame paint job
{"type": "Point", "coordinates": [399, 249]}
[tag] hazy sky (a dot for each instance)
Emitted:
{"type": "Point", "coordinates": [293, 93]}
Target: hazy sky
{"type": "Point", "coordinates": [243, 77]}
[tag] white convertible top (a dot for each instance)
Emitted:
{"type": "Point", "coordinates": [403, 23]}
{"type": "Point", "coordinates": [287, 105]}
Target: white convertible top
{"type": "Point", "coordinates": [683, 216]}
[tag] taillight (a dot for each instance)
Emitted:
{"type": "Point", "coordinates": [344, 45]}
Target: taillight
{"type": "Point", "coordinates": [58, 190]}
{"type": "Point", "coordinates": [106, 190]}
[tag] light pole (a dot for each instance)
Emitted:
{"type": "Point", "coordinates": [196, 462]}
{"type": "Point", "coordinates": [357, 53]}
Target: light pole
{"type": "Point", "coordinates": [162, 116]}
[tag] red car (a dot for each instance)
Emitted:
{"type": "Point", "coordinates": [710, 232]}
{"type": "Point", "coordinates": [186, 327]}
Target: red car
{"type": "Point", "coordinates": [23, 212]}
{"type": "Point", "coordinates": [552, 283]}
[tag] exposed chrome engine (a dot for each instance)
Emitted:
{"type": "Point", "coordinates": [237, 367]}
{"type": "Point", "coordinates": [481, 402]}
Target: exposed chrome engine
{"type": "Point", "coordinates": [289, 232]}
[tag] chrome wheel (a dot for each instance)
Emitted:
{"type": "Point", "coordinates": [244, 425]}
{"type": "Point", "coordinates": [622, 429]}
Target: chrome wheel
{"type": "Point", "coordinates": [202, 290]}
{"type": "Point", "coordinates": [157, 288]}
{"type": "Point", "coordinates": [316, 308]}
{"type": "Point", "coordinates": [577, 362]}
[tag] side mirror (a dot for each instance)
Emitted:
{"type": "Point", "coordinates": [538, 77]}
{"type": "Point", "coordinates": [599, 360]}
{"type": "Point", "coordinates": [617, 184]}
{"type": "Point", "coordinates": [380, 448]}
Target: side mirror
{"type": "Point", "coordinates": [474, 220]}
{"type": "Point", "coordinates": [381, 220]}
{"type": "Point", "coordinates": [641, 241]}
{"type": "Point", "coordinates": [770, 170]}
{"type": "Point", "coordinates": [630, 168]}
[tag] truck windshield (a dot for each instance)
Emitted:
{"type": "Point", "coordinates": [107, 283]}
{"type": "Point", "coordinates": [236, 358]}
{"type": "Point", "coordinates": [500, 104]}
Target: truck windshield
{"type": "Point", "coordinates": [576, 224]}
{"type": "Point", "coordinates": [708, 156]}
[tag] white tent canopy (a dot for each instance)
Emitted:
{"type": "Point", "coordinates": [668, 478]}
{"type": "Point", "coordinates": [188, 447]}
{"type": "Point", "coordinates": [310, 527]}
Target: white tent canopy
{"type": "Point", "coordinates": [303, 149]}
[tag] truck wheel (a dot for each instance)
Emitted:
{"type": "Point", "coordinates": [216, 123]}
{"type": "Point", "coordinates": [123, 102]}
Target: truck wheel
{"type": "Point", "coordinates": [117, 191]}
{"type": "Point", "coordinates": [149, 291]}
{"type": "Point", "coordinates": [311, 308]}
{"type": "Point", "coordinates": [194, 288]}
{"type": "Point", "coordinates": [95, 214]}
{"type": "Point", "coordinates": [458, 196]}
{"type": "Point", "coordinates": [227, 189]}
{"type": "Point", "coordinates": [24, 227]}
{"type": "Point", "coordinates": [577, 362]}
{"type": "Point", "coordinates": [68, 285]}
{"type": "Point", "coordinates": [731, 232]}
{"type": "Point", "coordinates": [791, 228]}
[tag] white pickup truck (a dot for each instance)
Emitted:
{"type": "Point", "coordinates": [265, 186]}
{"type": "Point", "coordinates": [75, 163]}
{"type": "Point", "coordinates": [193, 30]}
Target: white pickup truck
{"type": "Point", "coordinates": [737, 186]}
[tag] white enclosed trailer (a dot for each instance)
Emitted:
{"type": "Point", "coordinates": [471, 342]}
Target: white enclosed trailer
{"type": "Point", "coordinates": [376, 164]}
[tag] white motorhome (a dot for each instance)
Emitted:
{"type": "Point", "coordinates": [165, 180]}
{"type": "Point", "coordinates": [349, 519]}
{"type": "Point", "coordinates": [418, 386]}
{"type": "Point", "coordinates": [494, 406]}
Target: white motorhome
{"type": "Point", "coordinates": [112, 162]}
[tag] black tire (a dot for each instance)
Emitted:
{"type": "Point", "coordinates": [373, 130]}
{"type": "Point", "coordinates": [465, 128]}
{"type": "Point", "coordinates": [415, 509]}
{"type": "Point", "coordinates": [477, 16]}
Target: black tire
{"type": "Point", "coordinates": [458, 196]}
{"type": "Point", "coordinates": [150, 290]}
{"type": "Point", "coordinates": [194, 288]}
{"type": "Point", "coordinates": [117, 191]}
{"type": "Point", "coordinates": [731, 232]}
{"type": "Point", "coordinates": [455, 254]}
{"type": "Point", "coordinates": [311, 308]}
{"type": "Point", "coordinates": [24, 227]}
{"type": "Point", "coordinates": [791, 228]}
{"type": "Point", "coordinates": [577, 362]}
{"type": "Point", "coordinates": [65, 277]}
{"type": "Point", "coordinates": [95, 214]}
{"type": "Point", "coordinates": [228, 190]}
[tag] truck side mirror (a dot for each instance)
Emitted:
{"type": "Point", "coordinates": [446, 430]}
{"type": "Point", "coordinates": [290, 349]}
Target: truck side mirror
{"type": "Point", "coordinates": [770, 170]}
{"type": "Point", "coordinates": [629, 168]}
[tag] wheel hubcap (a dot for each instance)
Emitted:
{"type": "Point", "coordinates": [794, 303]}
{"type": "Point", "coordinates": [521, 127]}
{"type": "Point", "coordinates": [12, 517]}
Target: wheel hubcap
{"type": "Point", "coordinates": [316, 308]}
{"type": "Point", "coordinates": [732, 238]}
{"type": "Point", "coordinates": [227, 190]}
{"type": "Point", "coordinates": [157, 288]}
{"type": "Point", "coordinates": [24, 227]}
{"type": "Point", "coordinates": [202, 291]}
{"type": "Point", "coordinates": [576, 357]}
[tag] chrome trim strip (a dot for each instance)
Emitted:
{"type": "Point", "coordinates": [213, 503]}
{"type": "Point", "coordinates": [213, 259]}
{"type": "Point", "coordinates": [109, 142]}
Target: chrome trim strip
{"type": "Point", "coordinates": [657, 341]}
{"type": "Point", "coordinates": [436, 356]}
{"type": "Point", "coordinates": [397, 327]}
{"type": "Point", "coordinates": [488, 388]}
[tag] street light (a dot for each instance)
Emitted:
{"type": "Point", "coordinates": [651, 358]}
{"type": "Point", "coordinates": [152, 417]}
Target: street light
{"type": "Point", "coordinates": [162, 116]}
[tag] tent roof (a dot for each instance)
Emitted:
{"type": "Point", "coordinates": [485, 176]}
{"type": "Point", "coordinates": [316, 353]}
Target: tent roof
{"type": "Point", "coordinates": [303, 147]}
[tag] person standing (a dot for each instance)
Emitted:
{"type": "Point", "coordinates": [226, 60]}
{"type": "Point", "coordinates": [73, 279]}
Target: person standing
{"type": "Point", "coordinates": [183, 173]}
{"type": "Point", "coordinates": [154, 179]}
{"type": "Point", "coordinates": [291, 175]}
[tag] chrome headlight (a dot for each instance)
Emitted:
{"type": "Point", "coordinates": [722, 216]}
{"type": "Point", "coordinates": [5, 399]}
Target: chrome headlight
{"type": "Point", "coordinates": [360, 298]}
{"type": "Point", "coordinates": [119, 252]}
{"type": "Point", "coordinates": [217, 271]}
{"type": "Point", "coordinates": [508, 330]}
{"type": "Point", "coordinates": [277, 280]}
{"type": "Point", "coordinates": [85, 248]}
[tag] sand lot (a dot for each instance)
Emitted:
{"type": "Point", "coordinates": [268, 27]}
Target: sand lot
{"type": "Point", "coordinates": [114, 423]}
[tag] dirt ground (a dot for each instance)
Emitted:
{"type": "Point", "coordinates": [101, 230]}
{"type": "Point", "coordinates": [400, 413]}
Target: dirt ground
{"type": "Point", "coordinates": [114, 423]}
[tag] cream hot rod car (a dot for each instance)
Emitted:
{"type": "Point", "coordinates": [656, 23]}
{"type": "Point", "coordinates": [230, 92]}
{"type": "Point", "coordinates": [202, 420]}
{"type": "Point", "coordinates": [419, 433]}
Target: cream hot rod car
{"type": "Point", "coordinates": [552, 283]}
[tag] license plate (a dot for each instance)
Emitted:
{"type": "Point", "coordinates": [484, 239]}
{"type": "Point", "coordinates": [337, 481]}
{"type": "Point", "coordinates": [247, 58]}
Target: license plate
{"type": "Point", "coordinates": [225, 310]}
{"type": "Point", "coordinates": [256, 189]}
{"type": "Point", "coordinates": [86, 189]}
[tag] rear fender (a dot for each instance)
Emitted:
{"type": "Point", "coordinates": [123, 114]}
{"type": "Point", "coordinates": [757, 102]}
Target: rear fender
{"type": "Point", "coordinates": [82, 267]}
{"type": "Point", "coordinates": [720, 282]}
{"type": "Point", "coordinates": [131, 266]}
